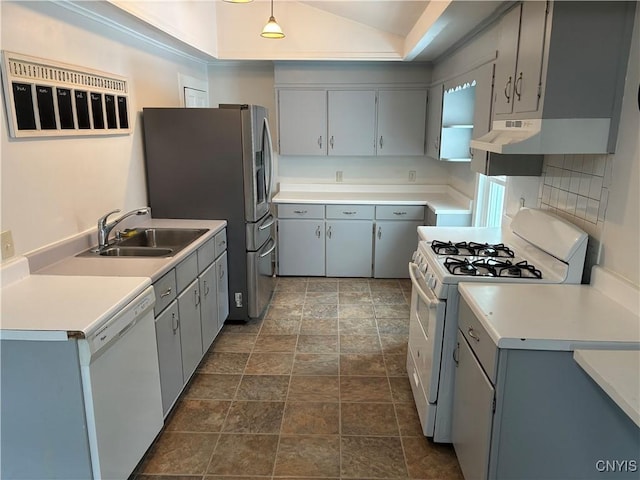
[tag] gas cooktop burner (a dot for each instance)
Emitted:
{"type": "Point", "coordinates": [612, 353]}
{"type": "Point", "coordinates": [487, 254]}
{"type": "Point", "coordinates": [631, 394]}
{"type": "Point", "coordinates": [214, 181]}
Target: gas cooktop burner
{"type": "Point", "coordinates": [489, 267]}
{"type": "Point", "coordinates": [472, 249]}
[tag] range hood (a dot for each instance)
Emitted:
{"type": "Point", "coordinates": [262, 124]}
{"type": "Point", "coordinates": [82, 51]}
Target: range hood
{"type": "Point", "coordinates": [546, 136]}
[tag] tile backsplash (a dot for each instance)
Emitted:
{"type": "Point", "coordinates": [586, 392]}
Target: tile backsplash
{"type": "Point", "coordinates": [576, 188]}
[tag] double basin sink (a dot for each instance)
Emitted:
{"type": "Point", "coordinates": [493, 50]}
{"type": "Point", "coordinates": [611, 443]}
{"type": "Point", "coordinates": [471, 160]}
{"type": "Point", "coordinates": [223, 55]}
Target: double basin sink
{"type": "Point", "coordinates": [148, 242]}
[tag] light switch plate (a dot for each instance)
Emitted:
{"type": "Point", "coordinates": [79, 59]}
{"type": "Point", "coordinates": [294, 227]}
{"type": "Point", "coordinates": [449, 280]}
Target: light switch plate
{"type": "Point", "coordinates": [6, 245]}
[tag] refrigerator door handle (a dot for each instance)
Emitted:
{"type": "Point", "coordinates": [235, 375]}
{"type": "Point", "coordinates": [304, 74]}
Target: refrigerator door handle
{"type": "Point", "coordinates": [268, 221]}
{"type": "Point", "coordinates": [269, 146]}
{"type": "Point", "coordinates": [268, 252]}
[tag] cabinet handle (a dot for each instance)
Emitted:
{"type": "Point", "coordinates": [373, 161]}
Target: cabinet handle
{"type": "Point", "coordinates": [380, 141]}
{"type": "Point", "coordinates": [379, 232]}
{"type": "Point", "coordinates": [196, 297]}
{"type": "Point", "coordinates": [206, 288]}
{"type": "Point", "coordinates": [300, 212]}
{"type": "Point", "coordinates": [331, 142]}
{"type": "Point", "coordinates": [220, 272]}
{"type": "Point", "coordinates": [318, 231]}
{"type": "Point", "coordinates": [507, 87]}
{"type": "Point", "coordinates": [320, 142]}
{"type": "Point", "coordinates": [473, 335]}
{"type": "Point", "coordinates": [349, 213]}
{"type": "Point", "coordinates": [470, 152]}
{"type": "Point", "coordinates": [329, 232]}
{"type": "Point", "coordinates": [166, 293]}
{"type": "Point", "coordinates": [399, 213]}
{"type": "Point", "coordinates": [456, 355]}
{"type": "Point", "coordinates": [175, 323]}
{"type": "Point", "coordinates": [516, 86]}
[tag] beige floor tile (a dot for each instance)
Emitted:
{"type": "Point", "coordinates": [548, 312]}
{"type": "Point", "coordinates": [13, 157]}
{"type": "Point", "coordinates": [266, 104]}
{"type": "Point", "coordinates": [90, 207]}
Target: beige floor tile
{"type": "Point", "coordinates": [368, 419]}
{"type": "Point", "coordinates": [364, 364]}
{"type": "Point", "coordinates": [356, 311]}
{"type": "Point", "coordinates": [317, 344]}
{"type": "Point", "coordinates": [385, 297]}
{"type": "Point", "coordinates": [281, 326]}
{"type": "Point", "coordinates": [355, 298]}
{"type": "Point", "coordinates": [180, 453]}
{"type": "Point", "coordinates": [247, 454]}
{"type": "Point", "coordinates": [401, 390]}
{"type": "Point", "coordinates": [234, 342]}
{"type": "Point", "coordinates": [291, 284]}
{"type": "Point", "coordinates": [358, 326]}
{"type": "Point", "coordinates": [212, 386]}
{"type": "Point", "coordinates": [320, 310]}
{"type": "Point", "coordinates": [353, 285]}
{"type": "Point", "coordinates": [391, 284]}
{"type": "Point", "coordinates": [396, 365]}
{"type": "Point", "coordinates": [319, 326]}
{"type": "Point", "coordinates": [269, 364]}
{"type": "Point", "coordinates": [393, 326]}
{"type": "Point", "coordinates": [310, 418]}
{"type": "Point", "coordinates": [372, 457]}
{"type": "Point", "coordinates": [275, 343]}
{"type": "Point", "coordinates": [224, 362]}
{"type": "Point", "coordinates": [302, 455]}
{"type": "Point", "coordinates": [263, 387]}
{"type": "Point", "coordinates": [364, 389]}
{"type": "Point", "coordinates": [360, 344]}
{"type": "Point", "coordinates": [426, 459]}
{"type": "Point", "coordinates": [322, 286]}
{"type": "Point", "coordinates": [391, 311]}
{"type": "Point", "coordinates": [321, 297]}
{"type": "Point", "coordinates": [277, 312]}
{"type": "Point", "coordinates": [286, 298]}
{"type": "Point", "coordinates": [408, 420]}
{"type": "Point", "coordinates": [198, 415]}
{"type": "Point", "coordinates": [314, 389]}
{"type": "Point", "coordinates": [254, 417]}
{"type": "Point", "coordinates": [315, 364]}
{"type": "Point", "coordinates": [394, 344]}
{"type": "Point", "coordinates": [238, 326]}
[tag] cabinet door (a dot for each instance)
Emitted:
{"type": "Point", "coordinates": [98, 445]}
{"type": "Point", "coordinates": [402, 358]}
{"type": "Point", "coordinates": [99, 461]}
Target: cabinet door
{"type": "Point", "coordinates": [395, 243]}
{"type": "Point", "coordinates": [349, 248]}
{"type": "Point", "coordinates": [169, 355]}
{"type": "Point", "coordinates": [482, 112]}
{"type": "Point", "coordinates": [472, 413]}
{"type": "Point", "coordinates": [352, 122]}
{"type": "Point", "coordinates": [530, 53]}
{"type": "Point", "coordinates": [302, 120]}
{"type": "Point", "coordinates": [434, 121]}
{"type": "Point", "coordinates": [209, 306]}
{"type": "Point", "coordinates": [401, 122]}
{"type": "Point", "coordinates": [222, 282]}
{"type": "Point", "coordinates": [506, 62]}
{"type": "Point", "coordinates": [190, 329]}
{"type": "Point", "coordinates": [301, 247]}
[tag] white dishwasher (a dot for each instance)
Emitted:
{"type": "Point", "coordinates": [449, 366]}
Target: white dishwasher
{"type": "Point", "coordinates": [81, 404]}
{"type": "Point", "coordinates": [121, 389]}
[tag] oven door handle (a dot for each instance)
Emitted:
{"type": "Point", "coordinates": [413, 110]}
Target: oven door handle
{"type": "Point", "coordinates": [431, 301]}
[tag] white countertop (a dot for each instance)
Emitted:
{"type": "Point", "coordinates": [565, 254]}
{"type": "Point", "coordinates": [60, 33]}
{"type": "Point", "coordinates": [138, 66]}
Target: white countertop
{"type": "Point", "coordinates": [552, 317]}
{"type": "Point", "coordinates": [442, 199]}
{"type": "Point", "coordinates": [46, 307]}
{"type": "Point", "coordinates": [617, 372]}
{"type": "Point", "coordinates": [152, 267]}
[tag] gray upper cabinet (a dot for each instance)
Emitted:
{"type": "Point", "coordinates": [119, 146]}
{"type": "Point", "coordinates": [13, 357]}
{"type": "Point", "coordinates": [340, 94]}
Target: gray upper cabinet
{"type": "Point", "coordinates": [302, 116]}
{"type": "Point", "coordinates": [352, 121]}
{"type": "Point", "coordinates": [401, 122]}
{"type": "Point", "coordinates": [434, 120]}
{"type": "Point", "coordinates": [519, 64]}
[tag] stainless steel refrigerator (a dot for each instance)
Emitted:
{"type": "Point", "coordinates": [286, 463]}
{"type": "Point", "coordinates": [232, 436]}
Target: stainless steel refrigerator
{"type": "Point", "coordinates": [216, 163]}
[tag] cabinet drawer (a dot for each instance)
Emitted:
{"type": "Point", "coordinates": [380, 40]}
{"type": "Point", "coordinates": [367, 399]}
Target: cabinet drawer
{"type": "Point", "coordinates": [206, 254]}
{"type": "Point", "coordinates": [479, 340]}
{"type": "Point", "coordinates": [186, 271]}
{"type": "Point", "coordinates": [300, 211]}
{"type": "Point", "coordinates": [165, 290]}
{"type": "Point", "coordinates": [221, 242]}
{"type": "Point", "coordinates": [400, 212]}
{"type": "Point", "coordinates": [359, 212]}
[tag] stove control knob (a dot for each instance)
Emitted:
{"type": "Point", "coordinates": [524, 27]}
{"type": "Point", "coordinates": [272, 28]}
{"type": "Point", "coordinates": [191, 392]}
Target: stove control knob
{"type": "Point", "coordinates": [432, 282]}
{"type": "Point", "coordinates": [415, 256]}
{"type": "Point", "coordinates": [423, 268]}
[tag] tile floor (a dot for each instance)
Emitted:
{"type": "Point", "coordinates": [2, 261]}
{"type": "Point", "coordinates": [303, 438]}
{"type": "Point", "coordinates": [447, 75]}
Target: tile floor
{"type": "Point", "coordinates": [318, 388]}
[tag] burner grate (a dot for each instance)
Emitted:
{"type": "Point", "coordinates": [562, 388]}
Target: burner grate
{"type": "Point", "coordinates": [472, 249]}
{"type": "Point", "coordinates": [490, 267]}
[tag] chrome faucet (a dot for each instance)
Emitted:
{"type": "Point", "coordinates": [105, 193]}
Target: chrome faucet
{"type": "Point", "coordinates": [105, 228]}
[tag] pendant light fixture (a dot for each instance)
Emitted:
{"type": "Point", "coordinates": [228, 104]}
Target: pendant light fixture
{"type": "Point", "coordinates": [272, 29]}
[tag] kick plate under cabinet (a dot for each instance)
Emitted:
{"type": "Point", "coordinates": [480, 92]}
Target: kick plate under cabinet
{"type": "Point", "coordinates": [46, 98]}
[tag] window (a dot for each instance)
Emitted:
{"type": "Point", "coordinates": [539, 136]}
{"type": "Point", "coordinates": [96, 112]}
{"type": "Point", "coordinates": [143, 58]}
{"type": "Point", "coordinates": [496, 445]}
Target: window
{"type": "Point", "coordinates": [490, 201]}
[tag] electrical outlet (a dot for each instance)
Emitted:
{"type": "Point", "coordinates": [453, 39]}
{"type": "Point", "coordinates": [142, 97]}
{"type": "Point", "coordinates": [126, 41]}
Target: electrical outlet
{"type": "Point", "coordinates": [338, 176]}
{"type": "Point", "coordinates": [6, 245]}
{"type": "Point", "coordinates": [412, 175]}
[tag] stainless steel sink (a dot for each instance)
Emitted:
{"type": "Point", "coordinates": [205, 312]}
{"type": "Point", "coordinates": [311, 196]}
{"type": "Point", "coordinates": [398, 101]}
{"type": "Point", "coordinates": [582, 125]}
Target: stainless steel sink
{"type": "Point", "coordinates": [148, 242]}
{"type": "Point", "coordinates": [122, 251]}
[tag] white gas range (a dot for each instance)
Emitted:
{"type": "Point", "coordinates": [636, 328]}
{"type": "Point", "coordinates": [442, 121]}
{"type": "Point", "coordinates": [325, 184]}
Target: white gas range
{"type": "Point", "coordinates": [536, 247]}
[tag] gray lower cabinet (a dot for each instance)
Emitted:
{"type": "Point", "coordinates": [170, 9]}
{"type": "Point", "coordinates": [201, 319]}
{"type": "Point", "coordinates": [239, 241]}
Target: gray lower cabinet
{"type": "Point", "coordinates": [395, 242]}
{"type": "Point", "coordinates": [348, 248]}
{"type": "Point", "coordinates": [522, 413]}
{"type": "Point", "coordinates": [447, 219]}
{"type": "Point", "coordinates": [169, 355]}
{"type": "Point", "coordinates": [191, 307]}
{"type": "Point", "coordinates": [301, 247]}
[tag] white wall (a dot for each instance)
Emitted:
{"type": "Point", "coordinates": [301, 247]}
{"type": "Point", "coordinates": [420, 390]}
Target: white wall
{"type": "Point", "coordinates": [55, 188]}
